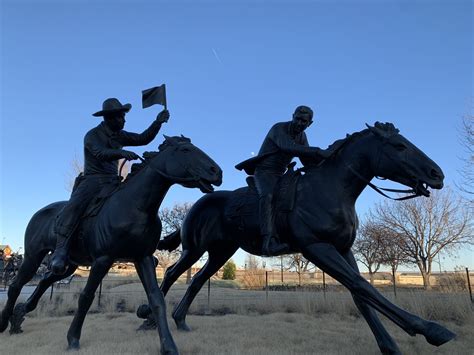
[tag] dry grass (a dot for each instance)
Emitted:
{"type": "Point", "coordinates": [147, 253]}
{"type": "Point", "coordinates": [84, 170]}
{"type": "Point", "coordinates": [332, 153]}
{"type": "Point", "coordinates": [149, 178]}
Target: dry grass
{"type": "Point", "coordinates": [277, 333]}
{"type": "Point", "coordinates": [286, 323]}
{"type": "Point", "coordinates": [454, 307]}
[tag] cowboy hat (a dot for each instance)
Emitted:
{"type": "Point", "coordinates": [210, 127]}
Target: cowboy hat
{"type": "Point", "coordinates": [112, 105]}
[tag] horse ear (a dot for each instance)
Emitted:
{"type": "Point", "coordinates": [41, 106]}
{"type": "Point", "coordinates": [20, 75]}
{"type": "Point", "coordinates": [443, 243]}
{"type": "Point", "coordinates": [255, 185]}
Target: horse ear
{"type": "Point", "coordinates": [170, 140]}
{"type": "Point", "coordinates": [378, 132]}
{"type": "Point", "coordinates": [186, 139]}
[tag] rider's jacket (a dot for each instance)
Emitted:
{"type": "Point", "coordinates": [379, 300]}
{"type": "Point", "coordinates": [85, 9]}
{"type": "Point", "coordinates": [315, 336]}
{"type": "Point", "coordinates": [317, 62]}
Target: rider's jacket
{"type": "Point", "coordinates": [102, 147]}
{"type": "Point", "coordinates": [278, 149]}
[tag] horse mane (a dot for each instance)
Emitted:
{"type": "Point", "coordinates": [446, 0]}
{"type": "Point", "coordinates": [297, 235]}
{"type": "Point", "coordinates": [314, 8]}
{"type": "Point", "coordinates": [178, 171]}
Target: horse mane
{"type": "Point", "coordinates": [150, 155]}
{"type": "Point", "coordinates": [137, 167]}
{"type": "Point", "coordinates": [385, 130]}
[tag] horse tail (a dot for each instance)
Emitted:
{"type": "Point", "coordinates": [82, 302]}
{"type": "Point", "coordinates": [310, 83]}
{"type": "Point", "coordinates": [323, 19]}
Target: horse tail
{"type": "Point", "coordinates": [171, 241]}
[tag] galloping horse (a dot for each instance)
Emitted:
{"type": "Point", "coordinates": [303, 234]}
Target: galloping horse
{"type": "Point", "coordinates": [322, 225]}
{"type": "Point", "coordinates": [127, 228]}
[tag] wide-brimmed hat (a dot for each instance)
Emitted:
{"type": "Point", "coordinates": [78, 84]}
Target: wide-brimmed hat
{"type": "Point", "coordinates": [112, 105]}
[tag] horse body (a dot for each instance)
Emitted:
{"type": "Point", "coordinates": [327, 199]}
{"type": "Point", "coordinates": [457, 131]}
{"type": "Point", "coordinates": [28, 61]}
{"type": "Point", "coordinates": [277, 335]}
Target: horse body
{"type": "Point", "coordinates": [126, 228]}
{"type": "Point", "coordinates": [324, 212]}
{"type": "Point", "coordinates": [322, 226]}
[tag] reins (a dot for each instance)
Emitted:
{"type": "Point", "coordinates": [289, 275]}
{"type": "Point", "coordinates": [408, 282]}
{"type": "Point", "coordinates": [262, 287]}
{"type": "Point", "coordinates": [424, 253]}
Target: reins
{"type": "Point", "coordinates": [166, 176]}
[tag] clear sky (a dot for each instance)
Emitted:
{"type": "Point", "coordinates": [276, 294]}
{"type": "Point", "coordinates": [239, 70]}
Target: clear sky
{"type": "Point", "coordinates": [232, 70]}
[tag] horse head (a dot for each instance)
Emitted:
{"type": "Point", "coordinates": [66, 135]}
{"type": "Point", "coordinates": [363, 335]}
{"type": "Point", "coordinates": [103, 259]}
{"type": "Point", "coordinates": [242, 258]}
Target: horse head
{"type": "Point", "coordinates": [397, 159]}
{"type": "Point", "coordinates": [182, 162]}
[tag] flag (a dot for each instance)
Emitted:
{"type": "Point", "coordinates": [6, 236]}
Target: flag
{"type": "Point", "coordinates": [156, 95]}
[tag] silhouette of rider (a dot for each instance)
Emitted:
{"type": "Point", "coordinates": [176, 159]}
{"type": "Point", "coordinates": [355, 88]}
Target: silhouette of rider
{"type": "Point", "coordinates": [284, 141]}
{"type": "Point", "coordinates": [102, 150]}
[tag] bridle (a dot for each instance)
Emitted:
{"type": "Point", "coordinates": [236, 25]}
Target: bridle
{"type": "Point", "coordinates": [179, 180]}
{"type": "Point", "coordinates": [413, 193]}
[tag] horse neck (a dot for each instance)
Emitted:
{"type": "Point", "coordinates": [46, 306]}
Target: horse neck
{"type": "Point", "coordinates": [358, 155]}
{"type": "Point", "coordinates": [148, 188]}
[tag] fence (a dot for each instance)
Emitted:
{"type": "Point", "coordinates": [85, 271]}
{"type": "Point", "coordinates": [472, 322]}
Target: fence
{"type": "Point", "coordinates": [265, 282]}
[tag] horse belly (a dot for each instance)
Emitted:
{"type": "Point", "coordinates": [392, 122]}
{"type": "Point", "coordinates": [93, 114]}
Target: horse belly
{"type": "Point", "coordinates": [337, 229]}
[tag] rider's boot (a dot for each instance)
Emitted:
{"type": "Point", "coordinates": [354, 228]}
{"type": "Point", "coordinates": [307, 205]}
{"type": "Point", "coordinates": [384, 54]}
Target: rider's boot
{"type": "Point", "coordinates": [271, 245]}
{"type": "Point", "coordinates": [59, 260]}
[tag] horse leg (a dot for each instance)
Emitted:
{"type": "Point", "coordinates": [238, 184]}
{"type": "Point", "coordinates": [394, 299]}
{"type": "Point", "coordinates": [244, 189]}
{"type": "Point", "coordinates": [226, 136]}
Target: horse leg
{"type": "Point", "coordinates": [385, 342]}
{"type": "Point", "coordinates": [217, 258]}
{"type": "Point", "coordinates": [327, 258]}
{"type": "Point", "coordinates": [188, 259]}
{"type": "Point", "coordinates": [99, 269]}
{"type": "Point", "coordinates": [21, 309]}
{"type": "Point", "coordinates": [27, 270]}
{"type": "Point", "coordinates": [147, 273]}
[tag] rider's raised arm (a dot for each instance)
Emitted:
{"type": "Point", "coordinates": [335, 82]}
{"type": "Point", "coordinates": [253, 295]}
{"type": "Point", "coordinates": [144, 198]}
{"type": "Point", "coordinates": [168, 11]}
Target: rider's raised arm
{"type": "Point", "coordinates": [135, 139]}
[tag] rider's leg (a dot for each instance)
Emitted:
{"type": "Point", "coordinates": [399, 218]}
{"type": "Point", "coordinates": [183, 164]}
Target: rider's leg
{"type": "Point", "coordinates": [68, 220]}
{"type": "Point", "coordinates": [265, 184]}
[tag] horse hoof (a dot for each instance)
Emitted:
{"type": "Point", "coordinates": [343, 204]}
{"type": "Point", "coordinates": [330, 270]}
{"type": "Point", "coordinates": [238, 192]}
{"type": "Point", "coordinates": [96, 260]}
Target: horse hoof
{"type": "Point", "coordinates": [3, 323]}
{"type": "Point", "coordinates": [182, 326]}
{"type": "Point", "coordinates": [437, 335]}
{"type": "Point", "coordinates": [73, 344]}
{"type": "Point", "coordinates": [389, 348]}
{"type": "Point", "coordinates": [169, 349]}
{"type": "Point", "coordinates": [17, 318]}
{"type": "Point", "coordinates": [387, 351]}
{"type": "Point", "coordinates": [143, 311]}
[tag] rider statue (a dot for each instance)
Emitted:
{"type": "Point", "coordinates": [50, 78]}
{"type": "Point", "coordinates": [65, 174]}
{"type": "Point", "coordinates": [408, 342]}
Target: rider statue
{"type": "Point", "coordinates": [102, 150]}
{"type": "Point", "coordinates": [284, 141]}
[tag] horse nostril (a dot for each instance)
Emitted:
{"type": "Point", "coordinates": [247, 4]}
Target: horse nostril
{"type": "Point", "coordinates": [214, 170]}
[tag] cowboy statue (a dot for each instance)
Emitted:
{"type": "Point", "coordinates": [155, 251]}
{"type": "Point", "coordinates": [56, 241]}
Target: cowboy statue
{"type": "Point", "coordinates": [102, 150]}
{"type": "Point", "coordinates": [284, 141]}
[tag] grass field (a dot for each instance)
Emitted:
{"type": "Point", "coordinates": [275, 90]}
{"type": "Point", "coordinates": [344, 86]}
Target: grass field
{"type": "Point", "coordinates": [239, 322]}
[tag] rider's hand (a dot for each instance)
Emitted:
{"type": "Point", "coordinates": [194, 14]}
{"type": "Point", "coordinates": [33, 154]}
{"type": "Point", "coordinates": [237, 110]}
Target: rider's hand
{"type": "Point", "coordinates": [129, 155]}
{"type": "Point", "coordinates": [163, 116]}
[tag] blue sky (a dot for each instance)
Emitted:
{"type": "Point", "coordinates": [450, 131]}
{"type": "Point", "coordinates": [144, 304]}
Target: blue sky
{"type": "Point", "coordinates": [232, 70]}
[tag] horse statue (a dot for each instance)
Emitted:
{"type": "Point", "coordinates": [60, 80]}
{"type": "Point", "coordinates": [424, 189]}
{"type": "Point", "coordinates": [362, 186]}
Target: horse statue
{"type": "Point", "coordinates": [126, 228]}
{"type": "Point", "coordinates": [322, 225]}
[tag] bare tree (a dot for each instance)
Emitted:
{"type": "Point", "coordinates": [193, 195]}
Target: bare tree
{"type": "Point", "coordinates": [298, 263]}
{"type": "Point", "coordinates": [368, 247]}
{"type": "Point", "coordinates": [77, 167]}
{"type": "Point", "coordinates": [428, 226]}
{"type": "Point", "coordinates": [171, 219]}
{"type": "Point", "coordinates": [467, 172]}
{"type": "Point", "coordinates": [392, 252]}
{"type": "Point", "coordinates": [252, 262]}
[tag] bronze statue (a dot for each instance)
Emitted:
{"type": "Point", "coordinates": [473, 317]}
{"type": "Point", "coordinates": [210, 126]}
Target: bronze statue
{"type": "Point", "coordinates": [284, 141]}
{"type": "Point", "coordinates": [102, 150]}
{"type": "Point", "coordinates": [126, 228]}
{"type": "Point", "coordinates": [317, 218]}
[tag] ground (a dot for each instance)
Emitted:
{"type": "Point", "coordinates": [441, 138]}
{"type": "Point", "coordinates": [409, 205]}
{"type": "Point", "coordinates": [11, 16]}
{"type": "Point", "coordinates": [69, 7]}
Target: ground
{"type": "Point", "coordinates": [238, 322]}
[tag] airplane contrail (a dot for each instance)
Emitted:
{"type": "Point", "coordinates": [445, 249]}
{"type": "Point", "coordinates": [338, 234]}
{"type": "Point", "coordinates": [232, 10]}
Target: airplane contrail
{"type": "Point", "coordinates": [217, 57]}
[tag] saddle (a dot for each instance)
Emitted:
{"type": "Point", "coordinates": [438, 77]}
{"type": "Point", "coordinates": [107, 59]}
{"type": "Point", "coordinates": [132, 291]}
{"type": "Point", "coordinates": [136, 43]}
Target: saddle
{"type": "Point", "coordinates": [97, 202]}
{"type": "Point", "coordinates": [243, 207]}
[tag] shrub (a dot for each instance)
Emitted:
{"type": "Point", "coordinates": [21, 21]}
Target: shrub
{"type": "Point", "coordinates": [229, 270]}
